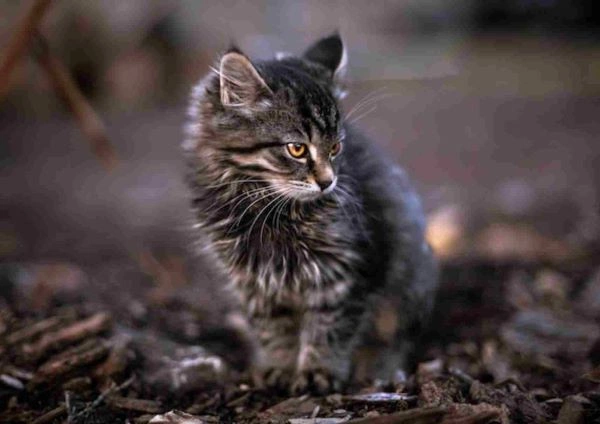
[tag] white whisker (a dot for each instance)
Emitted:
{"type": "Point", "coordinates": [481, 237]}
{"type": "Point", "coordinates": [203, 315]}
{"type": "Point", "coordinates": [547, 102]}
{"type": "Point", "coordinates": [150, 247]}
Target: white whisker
{"type": "Point", "coordinates": [368, 99]}
{"type": "Point", "coordinates": [277, 199]}
{"type": "Point", "coordinates": [362, 115]}
{"type": "Point", "coordinates": [239, 220]}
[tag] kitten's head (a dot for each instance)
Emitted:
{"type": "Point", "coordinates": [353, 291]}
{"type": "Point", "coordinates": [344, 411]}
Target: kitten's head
{"type": "Point", "coordinates": [275, 121]}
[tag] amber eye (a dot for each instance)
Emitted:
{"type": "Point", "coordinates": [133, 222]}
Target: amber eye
{"type": "Point", "coordinates": [297, 150]}
{"type": "Point", "coordinates": [335, 149]}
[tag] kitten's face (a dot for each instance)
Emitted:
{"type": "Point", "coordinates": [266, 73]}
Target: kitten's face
{"type": "Point", "coordinates": [293, 141]}
{"type": "Point", "coordinates": [277, 122]}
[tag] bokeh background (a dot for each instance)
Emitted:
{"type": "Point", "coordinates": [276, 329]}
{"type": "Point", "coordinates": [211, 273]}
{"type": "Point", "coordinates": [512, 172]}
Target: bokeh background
{"type": "Point", "coordinates": [493, 107]}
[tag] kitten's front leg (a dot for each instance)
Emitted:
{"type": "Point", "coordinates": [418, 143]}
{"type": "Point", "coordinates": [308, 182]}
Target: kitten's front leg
{"type": "Point", "coordinates": [327, 339]}
{"type": "Point", "coordinates": [278, 350]}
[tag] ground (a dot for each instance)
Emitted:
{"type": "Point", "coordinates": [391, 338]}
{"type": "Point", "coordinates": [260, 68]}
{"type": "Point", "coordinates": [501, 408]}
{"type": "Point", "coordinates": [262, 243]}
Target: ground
{"type": "Point", "coordinates": [512, 341]}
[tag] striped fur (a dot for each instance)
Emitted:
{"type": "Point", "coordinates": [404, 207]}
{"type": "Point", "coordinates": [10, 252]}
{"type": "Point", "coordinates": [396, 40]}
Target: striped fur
{"type": "Point", "coordinates": [308, 266]}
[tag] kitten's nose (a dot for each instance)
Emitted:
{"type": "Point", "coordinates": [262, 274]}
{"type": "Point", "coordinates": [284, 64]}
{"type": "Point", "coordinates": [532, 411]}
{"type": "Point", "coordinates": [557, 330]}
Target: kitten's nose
{"type": "Point", "coordinates": [325, 184]}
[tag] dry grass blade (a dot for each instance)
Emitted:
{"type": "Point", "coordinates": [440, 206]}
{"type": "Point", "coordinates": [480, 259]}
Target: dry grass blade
{"type": "Point", "coordinates": [86, 116]}
{"type": "Point", "coordinates": [21, 39]}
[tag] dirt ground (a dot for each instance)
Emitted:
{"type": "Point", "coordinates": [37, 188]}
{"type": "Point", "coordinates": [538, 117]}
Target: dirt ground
{"type": "Point", "coordinates": [512, 341]}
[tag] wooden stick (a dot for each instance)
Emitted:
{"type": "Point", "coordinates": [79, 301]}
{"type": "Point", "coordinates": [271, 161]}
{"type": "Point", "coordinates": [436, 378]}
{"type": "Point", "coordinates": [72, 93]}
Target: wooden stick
{"type": "Point", "coordinates": [425, 415]}
{"type": "Point", "coordinates": [103, 396]}
{"type": "Point", "coordinates": [33, 330]}
{"type": "Point", "coordinates": [132, 404]}
{"type": "Point", "coordinates": [87, 118]}
{"type": "Point", "coordinates": [61, 366]}
{"type": "Point", "coordinates": [482, 417]}
{"type": "Point", "coordinates": [19, 42]}
{"type": "Point", "coordinates": [69, 335]}
{"type": "Point", "coordinates": [50, 415]}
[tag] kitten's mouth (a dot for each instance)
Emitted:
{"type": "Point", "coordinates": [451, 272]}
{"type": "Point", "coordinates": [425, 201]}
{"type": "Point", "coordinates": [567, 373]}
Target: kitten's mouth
{"type": "Point", "coordinates": [303, 191]}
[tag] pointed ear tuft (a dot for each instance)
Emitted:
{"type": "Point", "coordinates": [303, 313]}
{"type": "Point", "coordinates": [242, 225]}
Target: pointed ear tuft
{"type": "Point", "coordinates": [329, 52]}
{"type": "Point", "coordinates": [240, 83]}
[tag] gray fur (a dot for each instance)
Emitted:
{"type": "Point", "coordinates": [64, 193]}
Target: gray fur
{"type": "Point", "coordinates": [310, 268]}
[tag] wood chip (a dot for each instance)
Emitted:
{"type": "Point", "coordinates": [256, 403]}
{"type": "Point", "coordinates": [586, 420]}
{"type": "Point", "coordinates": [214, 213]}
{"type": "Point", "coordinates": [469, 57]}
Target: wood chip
{"type": "Point", "coordinates": [77, 384]}
{"type": "Point", "coordinates": [302, 405]}
{"type": "Point", "coordinates": [412, 416]}
{"type": "Point", "coordinates": [73, 333]}
{"type": "Point", "coordinates": [131, 404]}
{"type": "Point", "coordinates": [32, 330]}
{"type": "Point", "coordinates": [63, 365]}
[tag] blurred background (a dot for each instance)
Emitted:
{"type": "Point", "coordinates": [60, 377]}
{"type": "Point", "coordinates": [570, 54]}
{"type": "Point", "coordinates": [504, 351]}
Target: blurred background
{"type": "Point", "coordinates": [492, 106]}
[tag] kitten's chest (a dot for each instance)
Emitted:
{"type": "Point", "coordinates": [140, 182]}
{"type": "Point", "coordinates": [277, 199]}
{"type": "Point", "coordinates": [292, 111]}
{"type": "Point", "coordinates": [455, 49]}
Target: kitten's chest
{"type": "Point", "coordinates": [297, 262]}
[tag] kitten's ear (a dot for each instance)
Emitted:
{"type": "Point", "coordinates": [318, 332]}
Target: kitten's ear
{"type": "Point", "coordinates": [241, 84]}
{"type": "Point", "coordinates": [329, 52]}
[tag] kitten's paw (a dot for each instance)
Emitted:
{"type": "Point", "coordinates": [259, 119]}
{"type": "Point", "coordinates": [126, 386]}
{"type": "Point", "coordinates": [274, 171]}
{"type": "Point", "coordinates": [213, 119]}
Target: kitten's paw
{"type": "Point", "coordinates": [317, 381]}
{"type": "Point", "coordinates": [274, 378]}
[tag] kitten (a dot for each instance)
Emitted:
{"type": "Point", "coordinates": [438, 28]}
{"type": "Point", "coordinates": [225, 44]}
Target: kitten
{"type": "Point", "coordinates": [320, 234]}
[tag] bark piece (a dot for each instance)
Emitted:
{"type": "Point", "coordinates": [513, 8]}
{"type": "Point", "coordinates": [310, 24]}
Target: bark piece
{"type": "Point", "coordinates": [302, 405]}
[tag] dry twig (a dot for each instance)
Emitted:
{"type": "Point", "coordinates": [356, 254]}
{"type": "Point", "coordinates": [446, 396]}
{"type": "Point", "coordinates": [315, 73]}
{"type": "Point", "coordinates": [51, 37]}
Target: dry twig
{"type": "Point", "coordinates": [88, 120]}
{"type": "Point", "coordinates": [68, 335]}
{"type": "Point", "coordinates": [19, 42]}
{"type": "Point", "coordinates": [50, 415]}
{"type": "Point", "coordinates": [33, 330]}
{"type": "Point", "coordinates": [132, 404]}
{"type": "Point", "coordinates": [102, 397]}
{"type": "Point", "coordinates": [61, 366]}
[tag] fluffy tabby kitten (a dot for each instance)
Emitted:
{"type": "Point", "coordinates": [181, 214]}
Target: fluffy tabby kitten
{"type": "Point", "coordinates": [320, 234]}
